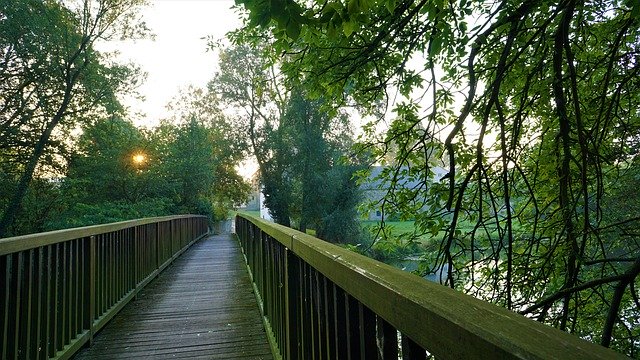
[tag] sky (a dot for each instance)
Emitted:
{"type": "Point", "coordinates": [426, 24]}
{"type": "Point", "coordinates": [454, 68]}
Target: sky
{"type": "Point", "coordinates": [178, 56]}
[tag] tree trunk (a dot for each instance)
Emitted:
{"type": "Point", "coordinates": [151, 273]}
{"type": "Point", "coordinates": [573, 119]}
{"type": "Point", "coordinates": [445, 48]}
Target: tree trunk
{"type": "Point", "coordinates": [9, 215]}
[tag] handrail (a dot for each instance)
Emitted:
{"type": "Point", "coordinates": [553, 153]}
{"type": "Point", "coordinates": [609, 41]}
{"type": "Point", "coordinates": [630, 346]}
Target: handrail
{"type": "Point", "coordinates": [30, 241]}
{"type": "Point", "coordinates": [57, 289]}
{"type": "Point", "coordinates": [323, 301]}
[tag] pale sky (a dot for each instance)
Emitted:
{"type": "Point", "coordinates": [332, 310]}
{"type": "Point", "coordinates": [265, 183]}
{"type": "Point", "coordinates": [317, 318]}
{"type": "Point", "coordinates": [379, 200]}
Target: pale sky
{"type": "Point", "coordinates": [178, 57]}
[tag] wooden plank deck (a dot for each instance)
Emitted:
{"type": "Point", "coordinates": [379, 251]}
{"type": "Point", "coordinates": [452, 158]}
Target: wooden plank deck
{"type": "Point", "coordinates": [202, 306]}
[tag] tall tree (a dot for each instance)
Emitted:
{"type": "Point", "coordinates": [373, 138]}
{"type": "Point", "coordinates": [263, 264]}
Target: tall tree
{"type": "Point", "coordinates": [533, 105]}
{"type": "Point", "coordinates": [248, 82]}
{"type": "Point", "coordinates": [202, 152]}
{"type": "Point", "coordinates": [314, 143]}
{"type": "Point", "coordinates": [113, 175]}
{"type": "Point", "coordinates": [296, 141]}
{"type": "Point", "coordinates": [52, 78]}
{"type": "Point", "coordinates": [185, 165]}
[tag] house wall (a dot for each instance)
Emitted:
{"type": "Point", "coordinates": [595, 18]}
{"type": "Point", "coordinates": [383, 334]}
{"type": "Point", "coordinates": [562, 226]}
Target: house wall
{"type": "Point", "coordinates": [264, 211]}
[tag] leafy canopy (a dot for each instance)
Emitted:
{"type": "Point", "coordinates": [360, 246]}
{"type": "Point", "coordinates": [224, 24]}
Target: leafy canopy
{"type": "Point", "coordinates": [532, 106]}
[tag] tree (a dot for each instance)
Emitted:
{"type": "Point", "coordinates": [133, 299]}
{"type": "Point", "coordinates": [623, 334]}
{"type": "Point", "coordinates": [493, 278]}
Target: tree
{"type": "Point", "coordinates": [534, 107]}
{"type": "Point", "coordinates": [249, 83]}
{"type": "Point", "coordinates": [296, 141]}
{"type": "Point", "coordinates": [315, 143]}
{"type": "Point", "coordinates": [185, 165]}
{"type": "Point", "coordinates": [113, 175]}
{"type": "Point", "coordinates": [53, 79]}
{"type": "Point", "coordinates": [202, 151]}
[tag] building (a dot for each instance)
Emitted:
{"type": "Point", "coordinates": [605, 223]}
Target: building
{"type": "Point", "coordinates": [374, 188]}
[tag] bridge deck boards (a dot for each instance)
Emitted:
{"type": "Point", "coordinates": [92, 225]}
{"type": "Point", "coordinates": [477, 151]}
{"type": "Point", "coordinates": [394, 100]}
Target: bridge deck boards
{"type": "Point", "coordinates": [200, 307]}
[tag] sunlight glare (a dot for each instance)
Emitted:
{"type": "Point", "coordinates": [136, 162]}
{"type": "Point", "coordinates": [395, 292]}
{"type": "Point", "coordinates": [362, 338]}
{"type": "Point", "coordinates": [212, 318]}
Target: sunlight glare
{"type": "Point", "coordinates": [138, 158]}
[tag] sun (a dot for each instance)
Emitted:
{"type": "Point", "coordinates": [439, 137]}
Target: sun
{"type": "Point", "coordinates": [139, 158]}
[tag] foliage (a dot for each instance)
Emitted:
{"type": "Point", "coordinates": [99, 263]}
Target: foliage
{"type": "Point", "coordinates": [533, 107]}
{"type": "Point", "coordinates": [297, 144]}
{"type": "Point", "coordinates": [204, 152]}
{"type": "Point", "coordinates": [187, 167]}
{"type": "Point", "coordinates": [52, 80]}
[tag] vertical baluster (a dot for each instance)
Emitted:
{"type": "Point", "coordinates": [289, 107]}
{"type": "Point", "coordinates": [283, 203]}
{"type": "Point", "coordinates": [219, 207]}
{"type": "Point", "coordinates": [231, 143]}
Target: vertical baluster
{"type": "Point", "coordinates": [134, 258]}
{"type": "Point", "coordinates": [272, 283]}
{"type": "Point", "coordinates": [306, 313]}
{"type": "Point", "coordinates": [159, 231]}
{"type": "Point", "coordinates": [106, 268]}
{"type": "Point", "coordinates": [367, 332]}
{"type": "Point", "coordinates": [70, 315]}
{"type": "Point", "coordinates": [101, 269]}
{"type": "Point", "coordinates": [315, 315]}
{"type": "Point", "coordinates": [60, 285]}
{"type": "Point", "coordinates": [112, 267]}
{"type": "Point", "coordinates": [259, 265]}
{"type": "Point", "coordinates": [171, 236]}
{"type": "Point", "coordinates": [24, 346]}
{"type": "Point", "coordinates": [267, 296]}
{"type": "Point", "coordinates": [132, 263]}
{"type": "Point", "coordinates": [141, 246]}
{"type": "Point", "coordinates": [128, 267]}
{"type": "Point", "coordinates": [125, 237]}
{"type": "Point", "coordinates": [330, 318]}
{"type": "Point", "coordinates": [281, 298]}
{"type": "Point", "coordinates": [47, 306]}
{"type": "Point", "coordinates": [321, 316]}
{"type": "Point", "coordinates": [99, 291]}
{"type": "Point", "coordinates": [18, 275]}
{"type": "Point", "coordinates": [149, 240]}
{"type": "Point", "coordinates": [353, 321]}
{"type": "Point", "coordinates": [341, 332]}
{"type": "Point", "coordinates": [73, 276]}
{"type": "Point", "coordinates": [387, 340]}
{"type": "Point", "coordinates": [116, 266]}
{"type": "Point", "coordinates": [78, 282]}
{"type": "Point", "coordinates": [292, 287]}
{"type": "Point", "coordinates": [38, 303]}
{"type": "Point", "coordinates": [275, 289]}
{"type": "Point", "coordinates": [5, 276]}
{"type": "Point", "coordinates": [91, 284]}
{"type": "Point", "coordinates": [411, 350]}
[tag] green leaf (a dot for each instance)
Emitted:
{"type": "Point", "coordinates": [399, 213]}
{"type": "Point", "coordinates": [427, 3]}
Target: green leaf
{"type": "Point", "coordinates": [391, 6]}
{"type": "Point", "coordinates": [635, 10]}
{"type": "Point", "coordinates": [293, 30]}
{"type": "Point", "coordinates": [436, 46]}
{"type": "Point", "coordinates": [348, 27]}
{"type": "Point", "coordinates": [353, 7]}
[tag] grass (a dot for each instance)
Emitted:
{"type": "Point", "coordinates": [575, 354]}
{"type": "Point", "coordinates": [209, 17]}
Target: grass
{"type": "Point", "coordinates": [397, 227]}
{"type": "Point", "coordinates": [255, 213]}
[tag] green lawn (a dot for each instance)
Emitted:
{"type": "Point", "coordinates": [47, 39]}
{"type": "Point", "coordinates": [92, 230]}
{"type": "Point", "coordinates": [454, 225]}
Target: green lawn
{"type": "Point", "coordinates": [398, 228]}
{"type": "Point", "coordinates": [255, 213]}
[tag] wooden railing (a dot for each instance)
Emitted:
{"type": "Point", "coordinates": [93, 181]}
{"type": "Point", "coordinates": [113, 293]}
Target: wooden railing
{"type": "Point", "coordinates": [59, 288]}
{"type": "Point", "coordinates": [320, 301]}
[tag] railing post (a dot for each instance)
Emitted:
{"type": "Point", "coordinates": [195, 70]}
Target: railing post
{"type": "Point", "coordinates": [91, 288]}
{"type": "Point", "coordinates": [291, 313]}
{"type": "Point", "coordinates": [158, 228]}
{"type": "Point", "coordinates": [170, 240]}
{"type": "Point", "coordinates": [136, 267]}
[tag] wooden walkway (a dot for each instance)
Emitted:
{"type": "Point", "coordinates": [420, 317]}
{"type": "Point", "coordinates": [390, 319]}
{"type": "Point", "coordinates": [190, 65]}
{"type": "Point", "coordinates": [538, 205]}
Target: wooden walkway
{"type": "Point", "coordinates": [202, 306]}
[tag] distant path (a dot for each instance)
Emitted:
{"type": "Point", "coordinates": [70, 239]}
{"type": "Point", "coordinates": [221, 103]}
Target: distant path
{"type": "Point", "coordinates": [200, 307]}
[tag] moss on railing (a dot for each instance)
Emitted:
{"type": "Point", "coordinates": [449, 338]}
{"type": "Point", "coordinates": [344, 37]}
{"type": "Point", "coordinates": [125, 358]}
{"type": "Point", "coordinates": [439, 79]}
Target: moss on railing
{"type": "Point", "coordinates": [59, 288]}
{"type": "Point", "coordinates": [315, 292]}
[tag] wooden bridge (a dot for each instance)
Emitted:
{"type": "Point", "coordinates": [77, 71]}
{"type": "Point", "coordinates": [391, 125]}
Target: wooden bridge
{"type": "Point", "coordinates": [69, 293]}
